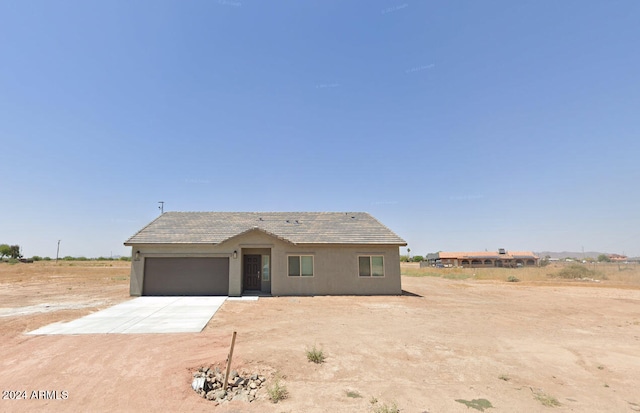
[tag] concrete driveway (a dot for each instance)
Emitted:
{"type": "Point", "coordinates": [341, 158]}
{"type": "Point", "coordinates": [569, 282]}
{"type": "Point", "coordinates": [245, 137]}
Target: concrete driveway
{"type": "Point", "coordinates": [143, 315]}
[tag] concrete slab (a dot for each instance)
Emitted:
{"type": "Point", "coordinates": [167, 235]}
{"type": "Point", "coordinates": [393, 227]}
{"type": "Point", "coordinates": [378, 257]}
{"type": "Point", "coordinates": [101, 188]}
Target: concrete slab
{"type": "Point", "coordinates": [143, 315]}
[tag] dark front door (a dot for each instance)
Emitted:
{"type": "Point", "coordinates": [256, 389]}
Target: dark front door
{"type": "Point", "coordinates": [252, 264]}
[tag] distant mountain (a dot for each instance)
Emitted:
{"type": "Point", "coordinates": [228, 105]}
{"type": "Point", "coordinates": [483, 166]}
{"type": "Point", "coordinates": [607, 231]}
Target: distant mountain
{"type": "Point", "coordinates": [565, 254]}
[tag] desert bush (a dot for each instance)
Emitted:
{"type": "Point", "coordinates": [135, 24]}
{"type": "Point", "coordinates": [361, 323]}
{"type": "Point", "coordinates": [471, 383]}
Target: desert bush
{"type": "Point", "coordinates": [513, 279]}
{"type": "Point", "coordinates": [546, 399]}
{"type": "Point", "coordinates": [277, 391]}
{"type": "Point", "coordinates": [418, 258]}
{"type": "Point", "coordinates": [315, 355]}
{"type": "Point", "coordinates": [125, 258]}
{"type": "Point", "coordinates": [36, 258]}
{"type": "Point", "coordinates": [574, 271]}
{"type": "Point", "coordinates": [383, 407]}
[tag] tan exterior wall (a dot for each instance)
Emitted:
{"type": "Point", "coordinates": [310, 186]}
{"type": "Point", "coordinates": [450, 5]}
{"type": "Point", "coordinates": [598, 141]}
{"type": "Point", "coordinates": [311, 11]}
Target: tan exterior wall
{"type": "Point", "coordinates": [335, 266]}
{"type": "Point", "coordinates": [177, 250]}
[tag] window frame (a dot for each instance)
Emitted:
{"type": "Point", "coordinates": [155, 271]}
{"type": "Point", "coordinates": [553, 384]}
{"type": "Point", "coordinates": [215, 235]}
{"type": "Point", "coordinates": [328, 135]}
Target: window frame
{"type": "Point", "coordinates": [313, 265]}
{"type": "Point", "coordinates": [370, 257]}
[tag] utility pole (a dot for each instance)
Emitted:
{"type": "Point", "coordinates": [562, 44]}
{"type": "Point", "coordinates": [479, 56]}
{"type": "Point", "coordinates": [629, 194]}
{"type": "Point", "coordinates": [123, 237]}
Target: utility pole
{"type": "Point", "coordinates": [58, 251]}
{"type": "Point", "coordinates": [161, 207]}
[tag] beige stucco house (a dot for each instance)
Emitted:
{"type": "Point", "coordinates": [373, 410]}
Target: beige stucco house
{"type": "Point", "coordinates": [277, 253]}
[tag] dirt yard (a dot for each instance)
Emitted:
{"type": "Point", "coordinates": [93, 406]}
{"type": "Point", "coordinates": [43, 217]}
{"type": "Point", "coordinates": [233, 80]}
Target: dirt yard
{"type": "Point", "coordinates": [520, 346]}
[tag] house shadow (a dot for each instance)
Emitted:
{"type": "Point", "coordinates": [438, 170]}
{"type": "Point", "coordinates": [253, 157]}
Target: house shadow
{"type": "Point", "coordinates": [410, 294]}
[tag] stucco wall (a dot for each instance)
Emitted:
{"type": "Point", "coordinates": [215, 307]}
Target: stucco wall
{"type": "Point", "coordinates": [335, 266]}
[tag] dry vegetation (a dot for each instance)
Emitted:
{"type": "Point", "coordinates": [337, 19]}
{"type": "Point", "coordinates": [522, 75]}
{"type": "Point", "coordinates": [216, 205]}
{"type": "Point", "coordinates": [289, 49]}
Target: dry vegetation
{"type": "Point", "coordinates": [603, 274]}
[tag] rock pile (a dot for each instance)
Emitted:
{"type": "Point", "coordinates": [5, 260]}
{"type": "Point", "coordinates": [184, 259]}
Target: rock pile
{"type": "Point", "coordinates": [208, 383]}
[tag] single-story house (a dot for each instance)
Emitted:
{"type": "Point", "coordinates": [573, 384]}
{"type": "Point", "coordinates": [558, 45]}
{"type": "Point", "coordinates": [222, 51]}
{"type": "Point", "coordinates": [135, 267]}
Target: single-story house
{"type": "Point", "coordinates": [277, 253]}
{"type": "Point", "coordinates": [479, 259]}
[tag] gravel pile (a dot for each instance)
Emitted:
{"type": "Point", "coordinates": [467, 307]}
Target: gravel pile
{"type": "Point", "coordinates": [208, 383]}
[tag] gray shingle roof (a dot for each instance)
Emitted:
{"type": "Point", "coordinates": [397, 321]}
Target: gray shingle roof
{"type": "Point", "coordinates": [294, 227]}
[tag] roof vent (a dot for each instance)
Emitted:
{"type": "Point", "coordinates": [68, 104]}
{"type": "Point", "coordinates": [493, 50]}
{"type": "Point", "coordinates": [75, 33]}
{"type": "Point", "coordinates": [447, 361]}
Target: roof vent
{"type": "Point", "coordinates": [502, 251]}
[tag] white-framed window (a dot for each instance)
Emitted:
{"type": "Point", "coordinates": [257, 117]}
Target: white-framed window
{"type": "Point", "coordinates": [300, 265]}
{"type": "Point", "coordinates": [371, 266]}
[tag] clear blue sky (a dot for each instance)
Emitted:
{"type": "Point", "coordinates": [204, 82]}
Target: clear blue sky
{"type": "Point", "coordinates": [461, 125]}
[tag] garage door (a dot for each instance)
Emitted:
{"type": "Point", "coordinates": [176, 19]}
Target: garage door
{"type": "Point", "coordinates": [186, 276]}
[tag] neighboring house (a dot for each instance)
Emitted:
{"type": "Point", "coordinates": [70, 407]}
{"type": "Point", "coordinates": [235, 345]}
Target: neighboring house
{"type": "Point", "coordinates": [617, 257]}
{"type": "Point", "coordinates": [479, 259]}
{"type": "Point", "coordinates": [277, 253]}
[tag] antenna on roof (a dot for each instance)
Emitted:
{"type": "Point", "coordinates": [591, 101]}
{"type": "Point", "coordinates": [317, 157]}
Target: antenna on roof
{"type": "Point", "coordinates": [161, 207]}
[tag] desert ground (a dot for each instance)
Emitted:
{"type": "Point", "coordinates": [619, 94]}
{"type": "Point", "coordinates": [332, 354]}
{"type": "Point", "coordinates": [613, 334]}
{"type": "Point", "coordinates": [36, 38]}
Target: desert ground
{"type": "Point", "coordinates": [456, 335]}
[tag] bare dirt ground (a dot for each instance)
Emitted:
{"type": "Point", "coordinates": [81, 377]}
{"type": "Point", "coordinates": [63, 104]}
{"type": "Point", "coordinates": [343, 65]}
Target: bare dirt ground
{"type": "Point", "coordinates": [513, 344]}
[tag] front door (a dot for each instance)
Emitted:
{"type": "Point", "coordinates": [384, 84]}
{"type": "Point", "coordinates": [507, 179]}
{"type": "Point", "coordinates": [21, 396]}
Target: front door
{"type": "Point", "coordinates": [252, 264]}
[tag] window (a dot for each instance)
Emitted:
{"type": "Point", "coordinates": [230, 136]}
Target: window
{"type": "Point", "coordinates": [371, 266]}
{"type": "Point", "coordinates": [301, 266]}
{"type": "Point", "coordinates": [265, 267]}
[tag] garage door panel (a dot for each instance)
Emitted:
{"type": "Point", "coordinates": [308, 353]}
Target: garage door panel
{"type": "Point", "coordinates": [186, 276]}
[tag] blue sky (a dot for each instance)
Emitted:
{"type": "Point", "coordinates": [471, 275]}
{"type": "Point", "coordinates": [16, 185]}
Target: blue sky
{"type": "Point", "coordinates": [461, 125]}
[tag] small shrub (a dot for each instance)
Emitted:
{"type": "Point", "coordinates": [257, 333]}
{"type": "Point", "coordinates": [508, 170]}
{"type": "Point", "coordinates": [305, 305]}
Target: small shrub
{"type": "Point", "coordinates": [36, 258]}
{"type": "Point", "coordinates": [385, 408]}
{"type": "Point", "coordinates": [315, 355]}
{"type": "Point", "coordinates": [353, 394]}
{"type": "Point", "coordinates": [13, 261]}
{"type": "Point", "coordinates": [277, 391]}
{"type": "Point", "coordinates": [46, 259]}
{"type": "Point", "coordinates": [504, 377]}
{"type": "Point", "coordinates": [513, 279]}
{"type": "Point", "coordinates": [546, 399]}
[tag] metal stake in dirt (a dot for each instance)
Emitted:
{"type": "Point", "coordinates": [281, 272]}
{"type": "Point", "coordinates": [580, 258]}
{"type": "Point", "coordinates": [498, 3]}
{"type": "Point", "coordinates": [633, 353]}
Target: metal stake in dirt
{"type": "Point", "coordinates": [226, 374]}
